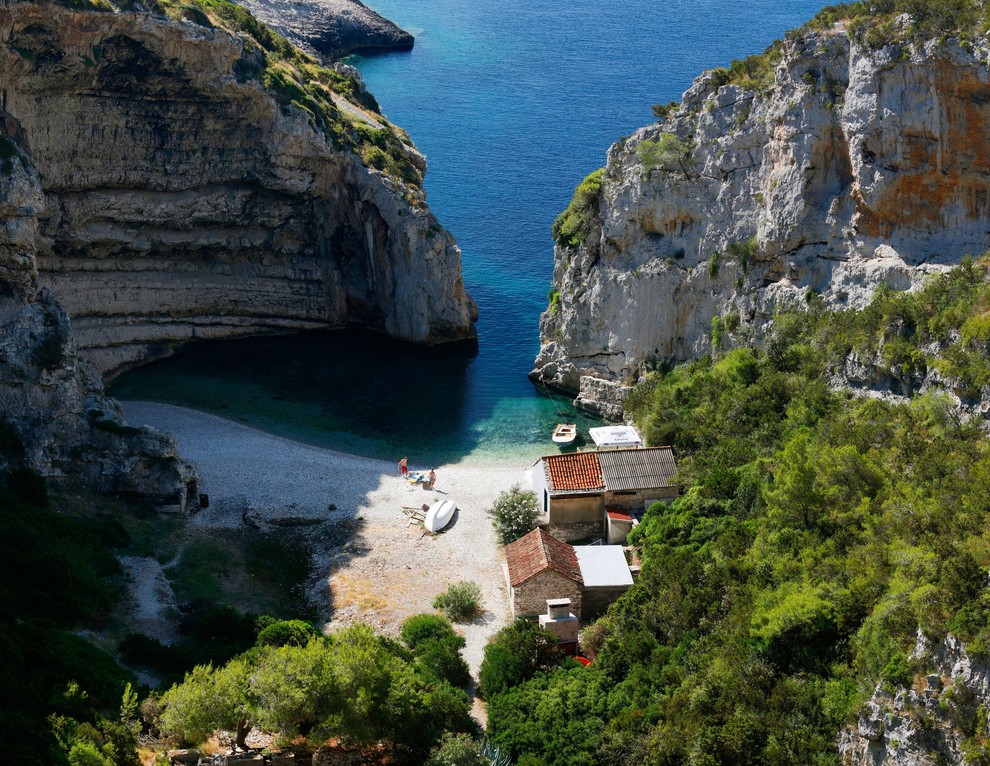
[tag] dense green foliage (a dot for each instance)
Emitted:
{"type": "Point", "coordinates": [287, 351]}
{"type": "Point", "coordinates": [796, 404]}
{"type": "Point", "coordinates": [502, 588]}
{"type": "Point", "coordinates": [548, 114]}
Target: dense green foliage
{"type": "Point", "coordinates": [576, 224]}
{"type": "Point", "coordinates": [816, 534]}
{"type": "Point", "coordinates": [460, 602]}
{"type": "Point", "coordinates": [55, 575]}
{"type": "Point", "coordinates": [354, 685]}
{"type": "Point", "coordinates": [437, 648]}
{"type": "Point", "coordinates": [514, 654]}
{"type": "Point", "coordinates": [514, 514]}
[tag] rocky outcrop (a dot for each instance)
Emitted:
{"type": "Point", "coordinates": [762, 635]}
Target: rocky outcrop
{"type": "Point", "coordinates": [330, 28]}
{"type": "Point", "coordinates": [939, 721]}
{"type": "Point", "coordinates": [854, 167]}
{"type": "Point", "coordinates": [54, 417]}
{"type": "Point", "coordinates": [198, 186]}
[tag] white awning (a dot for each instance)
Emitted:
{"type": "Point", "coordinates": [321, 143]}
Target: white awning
{"type": "Point", "coordinates": [616, 436]}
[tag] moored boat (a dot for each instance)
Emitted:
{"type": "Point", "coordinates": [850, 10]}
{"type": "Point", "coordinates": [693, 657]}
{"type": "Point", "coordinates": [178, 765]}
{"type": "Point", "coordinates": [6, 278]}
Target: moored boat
{"type": "Point", "coordinates": [439, 515]}
{"type": "Point", "coordinates": [564, 433]}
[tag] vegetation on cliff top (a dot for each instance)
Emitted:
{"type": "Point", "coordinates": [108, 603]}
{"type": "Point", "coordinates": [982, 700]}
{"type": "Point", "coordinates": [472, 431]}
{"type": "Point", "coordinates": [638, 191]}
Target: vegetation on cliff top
{"type": "Point", "coordinates": [816, 534]}
{"type": "Point", "coordinates": [295, 79]}
{"type": "Point", "coordinates": [575, 224]}
{"type": "Point", "coordinates": [872, 22]}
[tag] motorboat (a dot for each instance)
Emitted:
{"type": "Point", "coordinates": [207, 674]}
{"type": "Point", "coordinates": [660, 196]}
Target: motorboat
{"type": "Point", "coordinates": [439, 515]}
{"type": "Point", "coordinates": [564, 433]}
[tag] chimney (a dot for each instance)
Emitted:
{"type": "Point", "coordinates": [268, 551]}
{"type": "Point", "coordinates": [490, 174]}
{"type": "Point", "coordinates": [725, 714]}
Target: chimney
{"type": "Point", "coordinates": [560, 621]}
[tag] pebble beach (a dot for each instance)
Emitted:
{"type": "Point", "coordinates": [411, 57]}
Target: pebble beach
{"type": "Point", "coordinates": [388, 569]}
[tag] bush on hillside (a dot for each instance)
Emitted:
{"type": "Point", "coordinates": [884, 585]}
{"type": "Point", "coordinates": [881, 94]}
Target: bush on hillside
{"type": "Point", "coordinates": [514, 514]}
{"type": "Point", "coordinates": [461, 601]}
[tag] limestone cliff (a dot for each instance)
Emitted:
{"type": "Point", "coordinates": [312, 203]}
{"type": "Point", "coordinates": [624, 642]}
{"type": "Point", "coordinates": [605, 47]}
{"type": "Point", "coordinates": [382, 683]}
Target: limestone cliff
{"type": "Point", "coordinates": [330, 28]}
{"type": "Point", "coordinates": [939, 721]}
{"type": "Point", "coordinates": [857, 163]}
{"type": "Point", "coordinates": [53, 415]}
{"type": "Point", "coordinates": [204, 179]}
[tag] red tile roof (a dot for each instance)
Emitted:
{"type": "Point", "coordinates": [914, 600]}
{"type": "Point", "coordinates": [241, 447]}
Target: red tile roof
{"type": "Point", "coordinates": [615, 513]}
{"type": "Point", "coordinates": [574, 471]}
{"type": "Point", "coordinates": [537, 552]}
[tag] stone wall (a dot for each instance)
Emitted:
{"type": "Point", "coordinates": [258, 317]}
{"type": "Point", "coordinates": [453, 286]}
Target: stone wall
{"type": "Point", "coordinates": [574, 518]}
{"type": "Point", "coordinates": [640, 500]}
{"type": "Point", "coordinates": [598, 396]}
{"type": "Point", "coordinates": [530, 598]}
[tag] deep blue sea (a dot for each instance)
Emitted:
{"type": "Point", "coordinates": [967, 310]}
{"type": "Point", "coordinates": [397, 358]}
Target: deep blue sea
{"type": "Point", "coordinates": [513, 103]}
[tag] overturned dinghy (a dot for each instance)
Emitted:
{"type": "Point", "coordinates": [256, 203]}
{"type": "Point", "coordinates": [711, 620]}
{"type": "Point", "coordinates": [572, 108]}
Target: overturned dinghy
{"type": "Point", "coordinates": [439, 515]}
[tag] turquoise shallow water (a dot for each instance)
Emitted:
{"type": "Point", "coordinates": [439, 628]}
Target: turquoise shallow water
{"type": "Point", "coordinates": [513, 103]}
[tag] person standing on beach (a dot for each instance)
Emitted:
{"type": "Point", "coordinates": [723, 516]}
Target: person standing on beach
{"type": "Point", "coordinates": [404, 468]}
{"type": "Point", "coordinates": [433, 478]}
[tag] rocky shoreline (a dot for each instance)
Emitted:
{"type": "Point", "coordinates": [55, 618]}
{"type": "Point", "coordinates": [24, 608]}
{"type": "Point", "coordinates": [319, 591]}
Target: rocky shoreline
{"type": "Point", "coordinates": [331, 28]}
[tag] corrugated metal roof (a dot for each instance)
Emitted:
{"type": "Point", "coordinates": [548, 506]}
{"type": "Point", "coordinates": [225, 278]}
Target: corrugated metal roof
{"type": "Point", "coordinates": [649, 468]}
{"type": "Point", "coordinates": [574, 472]}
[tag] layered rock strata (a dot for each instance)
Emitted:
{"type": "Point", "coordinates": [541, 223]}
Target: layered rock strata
{"type": "Point", "coordinates": [193, 189]}
{"type": "Point", "coordinates": [331, 28]}
{"type": "Point", "coordinates": [854, 168]}
{"type": "Point", "coordinates": [54, 417]}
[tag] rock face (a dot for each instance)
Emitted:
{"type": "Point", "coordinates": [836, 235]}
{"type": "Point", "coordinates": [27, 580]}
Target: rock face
{"type": "Point", "coordinates": [330, 28]}
{"type": "Point", "coordinates": [53, 415]}
{"type": "Point", "coordinates": [929, 724]}
{"type": "Point", "coordinates": [192, 191]}
{"type": "Point", "coordinates": [856, 167]}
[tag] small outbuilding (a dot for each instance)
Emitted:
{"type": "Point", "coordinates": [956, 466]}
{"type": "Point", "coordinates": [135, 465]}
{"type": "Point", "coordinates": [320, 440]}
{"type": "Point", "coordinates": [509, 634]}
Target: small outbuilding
{"type": "Point", "coordinates": [605, 576]}
{"type": "Point", "coordinates": [575, 489]}
{"type": "Point", "coordinates": [539, 568]}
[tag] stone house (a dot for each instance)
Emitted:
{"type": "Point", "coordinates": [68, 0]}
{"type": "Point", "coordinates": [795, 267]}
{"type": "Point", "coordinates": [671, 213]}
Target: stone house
{"type": "Point", "coordinates": [575, 490]}
{"type": "Point", "coordinates": [539, 568]}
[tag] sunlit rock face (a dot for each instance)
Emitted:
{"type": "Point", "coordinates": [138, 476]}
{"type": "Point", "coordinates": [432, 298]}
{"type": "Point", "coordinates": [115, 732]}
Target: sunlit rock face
{"type": "Point", "coordinates": [854, 168]}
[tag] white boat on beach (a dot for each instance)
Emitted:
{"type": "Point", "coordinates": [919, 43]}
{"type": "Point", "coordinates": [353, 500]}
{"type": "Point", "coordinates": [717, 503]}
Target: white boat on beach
{"type": "Point", "coordinates": [564, 433]}
{"type": "Point", "coordinates": [439, 515]}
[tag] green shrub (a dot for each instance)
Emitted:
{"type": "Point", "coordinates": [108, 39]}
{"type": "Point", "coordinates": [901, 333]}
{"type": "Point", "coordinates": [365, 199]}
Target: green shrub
{"type": "Point", "coordinates": [514, 514]}
{"type": "Point", "coordinates": [669, 153]}
{"type": "Point", "coordinates": [576, 224]}
{"type": "Point", "coordinates": [461, 601]}
{"type": "Point", "coordinates": [457, 750]}
{"type": "Point", "coordinates": [424, 628]}
{"type": "Point", "coordinates": [287, 633]}
{"type": "Point", "coordinates": [436, 648]}
{"type": "Point", "coordinates": [515, 654]}
{"type": "Point", "coordinates": [663, 111]}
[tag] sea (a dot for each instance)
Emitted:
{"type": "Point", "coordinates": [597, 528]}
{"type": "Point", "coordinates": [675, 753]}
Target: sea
{"type": "Point", "coordinates": [513, 103]}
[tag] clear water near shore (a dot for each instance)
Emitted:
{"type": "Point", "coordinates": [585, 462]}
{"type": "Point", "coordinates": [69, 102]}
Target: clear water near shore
{"type": "Point", "coordinates": [513, 103]}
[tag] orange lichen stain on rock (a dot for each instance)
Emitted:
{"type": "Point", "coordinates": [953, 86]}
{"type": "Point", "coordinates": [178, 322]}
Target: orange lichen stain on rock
{"type": "Point", "coordinates": [967, 114]}
{"type": "Point", "coordinates": [938, 172]}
